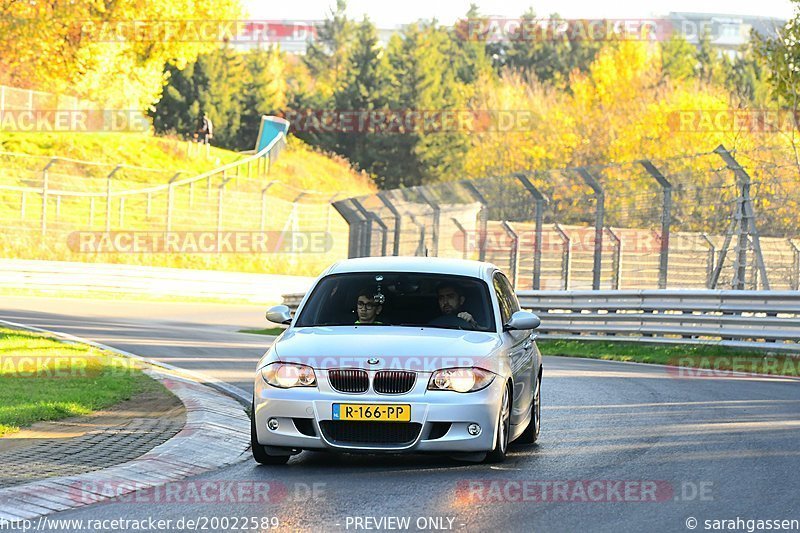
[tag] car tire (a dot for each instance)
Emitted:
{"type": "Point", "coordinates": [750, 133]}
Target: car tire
{"type": "Point", "coordinates": [498, 454]}
{"type": "Point", "coordinates": [531, 433]}
{"type": "Point", "coordinates": [259, 454]}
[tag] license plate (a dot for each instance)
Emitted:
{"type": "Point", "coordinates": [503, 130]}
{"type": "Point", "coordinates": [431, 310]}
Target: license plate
{"type": "Point", "coordinates": [372, 412]}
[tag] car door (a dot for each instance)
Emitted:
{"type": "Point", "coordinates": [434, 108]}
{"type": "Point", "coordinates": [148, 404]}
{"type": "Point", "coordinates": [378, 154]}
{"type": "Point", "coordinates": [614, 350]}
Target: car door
{"type": "Point", "coordinates": [520, 349]}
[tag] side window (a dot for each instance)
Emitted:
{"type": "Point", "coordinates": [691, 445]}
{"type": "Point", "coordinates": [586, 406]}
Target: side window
{"type": "Point", "coordinates": [508, 291]}
{"type": "Point", "coordinates": [502, 298]}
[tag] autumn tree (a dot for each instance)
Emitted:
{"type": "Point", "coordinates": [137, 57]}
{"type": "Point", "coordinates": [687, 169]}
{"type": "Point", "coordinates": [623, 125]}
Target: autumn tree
{"type": "Point", "coordinates": [92, 49]}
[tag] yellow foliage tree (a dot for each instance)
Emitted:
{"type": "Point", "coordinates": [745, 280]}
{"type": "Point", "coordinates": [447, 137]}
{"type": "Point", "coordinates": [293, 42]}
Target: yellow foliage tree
{"type": "Point", "coordinates": [110, 52]}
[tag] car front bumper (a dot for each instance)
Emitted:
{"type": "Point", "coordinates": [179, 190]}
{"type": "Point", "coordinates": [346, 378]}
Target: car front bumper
{"type": "Point", "coordinates": [315, 404]}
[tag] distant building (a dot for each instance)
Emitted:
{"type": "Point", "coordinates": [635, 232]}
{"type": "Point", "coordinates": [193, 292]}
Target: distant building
{"type": "Point", "coordinates": [727, 32]}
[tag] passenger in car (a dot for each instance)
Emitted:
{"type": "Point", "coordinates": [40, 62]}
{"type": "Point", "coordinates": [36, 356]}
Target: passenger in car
{"type": "Point", "coordinates": [367, 308]}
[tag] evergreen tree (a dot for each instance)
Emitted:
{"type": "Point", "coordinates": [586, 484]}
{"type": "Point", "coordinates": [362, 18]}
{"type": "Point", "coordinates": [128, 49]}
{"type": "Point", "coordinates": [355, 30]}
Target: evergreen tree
{"type": "Point", "coordinates": [424, 82]}
{"type": "Point", "coordinates": [266, 89]}
{"type": "Point", "coordinates": [214, 84]}
{"type": "Point", "coordinates": [327, 56]}
{"type": "Point", "coordinates": [547, 50]}
{"type": "Point", "coordinates": [469, 52]}
{"type": "Point", "coordinates": [226, 72]}
{"type": "Point", "coordinates": [363, 90]}
{"type": "Point", "coordinates": [178, 110]}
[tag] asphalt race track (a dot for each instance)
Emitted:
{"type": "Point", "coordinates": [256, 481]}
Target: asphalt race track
{"type": "Point", "coordinates": [623, 447]}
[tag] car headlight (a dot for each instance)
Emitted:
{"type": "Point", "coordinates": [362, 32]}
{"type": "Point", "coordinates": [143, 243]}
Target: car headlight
{"type": "Point", "coordinates": [460, 379]}
{"type": "Point", "coordinates": [289, 375]}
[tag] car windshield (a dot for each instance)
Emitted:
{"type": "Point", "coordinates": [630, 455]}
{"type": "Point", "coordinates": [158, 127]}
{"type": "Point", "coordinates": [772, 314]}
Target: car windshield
{"type": "Point", "coordinates": [399, 299]}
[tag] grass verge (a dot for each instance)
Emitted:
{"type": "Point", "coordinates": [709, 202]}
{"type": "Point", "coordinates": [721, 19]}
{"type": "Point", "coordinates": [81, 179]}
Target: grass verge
{"type": "Point", "coordinates": [268, 331]}
{"type": "Point", "coordinates": [45, 379]}
{"type": "Point", "coordinates": [707, 356]}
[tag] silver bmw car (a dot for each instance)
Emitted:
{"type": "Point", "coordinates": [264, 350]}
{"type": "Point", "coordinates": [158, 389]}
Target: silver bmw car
{"type": "Point", "coordinates": [400, 354]}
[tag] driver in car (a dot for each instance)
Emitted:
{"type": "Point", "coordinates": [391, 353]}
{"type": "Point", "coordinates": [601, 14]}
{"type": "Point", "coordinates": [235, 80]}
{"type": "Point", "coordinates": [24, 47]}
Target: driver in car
{"type": "Point", "coordinates": [367, 308]}
{"type": "Point", "coordinates": [451, 304]}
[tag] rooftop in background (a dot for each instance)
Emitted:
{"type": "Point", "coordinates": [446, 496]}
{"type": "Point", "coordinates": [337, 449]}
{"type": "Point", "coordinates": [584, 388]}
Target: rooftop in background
{"type": "Point", "coordinates": [728, 32]}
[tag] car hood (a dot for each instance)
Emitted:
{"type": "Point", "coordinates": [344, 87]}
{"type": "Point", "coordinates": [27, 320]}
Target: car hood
{"type": "Point", "coordinates": [387, 347]}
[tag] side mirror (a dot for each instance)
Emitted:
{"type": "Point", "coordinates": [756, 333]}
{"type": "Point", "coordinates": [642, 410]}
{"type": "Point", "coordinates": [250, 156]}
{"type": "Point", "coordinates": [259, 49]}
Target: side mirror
{"type": "Point", "coordinates": [522, 320]}
{"type": "Point", "coordinates": [280, 314]}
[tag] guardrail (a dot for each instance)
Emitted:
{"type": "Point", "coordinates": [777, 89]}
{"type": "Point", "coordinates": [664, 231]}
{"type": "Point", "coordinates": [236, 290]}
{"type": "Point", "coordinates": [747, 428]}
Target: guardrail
{"type": "Point", "coordinates": [767, 320]}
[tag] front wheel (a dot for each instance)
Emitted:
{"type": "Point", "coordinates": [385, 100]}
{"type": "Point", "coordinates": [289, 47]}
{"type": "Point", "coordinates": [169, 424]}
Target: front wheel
{"type": "Point", "coordinates": [498, 455]}
{"type": "Point", "coordinates": [261, 456]}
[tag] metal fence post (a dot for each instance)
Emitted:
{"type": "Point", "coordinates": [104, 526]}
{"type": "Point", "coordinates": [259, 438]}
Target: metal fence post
{"type": "Point", "coordinates": [354, 222]}
{"type": "Point", "coordinates": [431, 201]}
{"type": "Point", "coordinates": [121, 211]}
{"type": "Point", "coordinates": [22, 203]}
{"type": "Point", "coordinates": [58, 206]}
{"type": "Point", "coordinates": [384, 232]}
{"type": "Point", "coordinates": [149, 204]}
{"type": "Point", "coordinates": [45, 180]}
{"type": "Point", "coordinates": [600, 197]}
{"type": "Point", "coordinates": [514, 259]}
{"type": "Point", "coordinates": [566, 257]}
{"type": "Point", "coordinates": [794, 278]}
{"type": "Point", "coordinates": [108, 197]}
{"type": "Point", "coordinates": [747, 227]}
{"type": "Point", "coordinates": [170, 187]}
{"type": "Point", "coordinates": [397, 221]}
{"type": "Point", "coordinates": [464, 236]}
{"type": "Point", "coordinates": [365, 248]}
{"type": "Point", "coordinates": [540, 200]}
{"type": "Point", "coordinates": [91, 211]}
{"type": "Point", "coordinates": [710, 261]}
{"type": "Point", "coordinates": [483, 218]}
{"type": "Point", "coordinates": [666, 221]}
{"type": "Point", "coordinates": [616, 262]}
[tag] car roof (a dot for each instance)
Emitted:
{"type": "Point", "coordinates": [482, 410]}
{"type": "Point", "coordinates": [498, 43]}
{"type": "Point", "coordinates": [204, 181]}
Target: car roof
{"type": "Point", "coordinates": [427, 265]}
